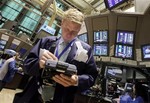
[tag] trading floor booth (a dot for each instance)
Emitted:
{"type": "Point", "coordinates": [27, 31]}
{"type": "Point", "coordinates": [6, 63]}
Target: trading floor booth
{"type": "Point", "coordinates": [9, 40]}
{"type": "Point", "coordinates": [121, 49]}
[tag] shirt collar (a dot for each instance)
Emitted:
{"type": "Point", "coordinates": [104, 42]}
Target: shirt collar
{"type": "Point", "coordinates": [61, 40]}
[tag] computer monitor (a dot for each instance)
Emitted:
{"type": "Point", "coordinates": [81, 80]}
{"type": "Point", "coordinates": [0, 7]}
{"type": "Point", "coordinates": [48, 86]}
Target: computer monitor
{"type": "Point", "coordinates": [100, 49]}
{"type": "Point", "coordinates": [145, 50]}
{"type": "Point", "coordinates": [2, 47]}
{"type": "Point", "coordinates": [124, 51]}
{"type": "Point", "coordinates": [2, 44]}
{"type": "Point", "coordinates": [13, 46]}
{"type": "Point", "coordinates": [101, 36]}
{"type": "Point", "coordinates": [125, 37]}
{"type": "Point", "coordinates": [114, 72]}
{"type": "Point", "coordinates": [110, 4]}
{"type": "Point", "coordinates": [83, 37]}
{"type": "Point", "coordinates": [22, 51]}
{"type": "Point", "coordinates": [128, 87]}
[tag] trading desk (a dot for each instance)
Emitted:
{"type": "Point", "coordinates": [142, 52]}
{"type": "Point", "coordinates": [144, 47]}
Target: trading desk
{"type": "Point", "coordinates": [15, 82]}
{"type": "Point", "coordinates": [80, 98]}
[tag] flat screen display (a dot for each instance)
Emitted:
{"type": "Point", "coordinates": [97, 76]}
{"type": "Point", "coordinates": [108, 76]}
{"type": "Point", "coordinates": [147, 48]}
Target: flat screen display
{"type": "Point", "coordinates": [22, 51]}
{"type": "Point", "coordinates": [3, 42]}
{"type": "Point", "coordinates": [110, 4]}
{"type": "Point", "coordinates": [146, 52]}
{"type": "Point", "coordinates": [83, 37]}
{"type": "Point", "coordinates": [13, 46]}
{"type": "Point", "coordinates": [101, 36]}
{"type": "Point", "coordinates": [2, 47]}
{"type": "Point", "coordinates": [125, 37]}
{"type": "Point", "coordinates": [114, 72]}
{"type": "Point", "coordinates": [100, 49]}
{"type": "Point", "coordinates": [124, 51]}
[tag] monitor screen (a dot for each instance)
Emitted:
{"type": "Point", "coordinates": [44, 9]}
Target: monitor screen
{"type": "Point", "coordinates": [100, 49]}
{"type": "Point", "coordinates": [13, 46]}
{"type": "Point", "coordinates": [124, 51]}
{"type": "Point", "coordinates": [3, 42]}
{"type": "Point", "coordinates": [110, 4]}
{"type": "Point", "coordinates": [2, 47]}
{"type": "Point", "coordinates": [128, 87]}
{"type": "Point", "coordinates": [22, 51]}
{"type": "Point", "coordinates": [145, 51]}
{"type": "Point", "coordinates": [125, 37]}
{"type": "Point", "coordinates": [113, 71]}
{"type": "Point", "coordinates": [101, 36]}
{"type": "Point", "coordinates": [83, 37]}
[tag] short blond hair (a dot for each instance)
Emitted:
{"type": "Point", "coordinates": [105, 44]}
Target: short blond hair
{"type": "Point", "coordinates": [74, 15]}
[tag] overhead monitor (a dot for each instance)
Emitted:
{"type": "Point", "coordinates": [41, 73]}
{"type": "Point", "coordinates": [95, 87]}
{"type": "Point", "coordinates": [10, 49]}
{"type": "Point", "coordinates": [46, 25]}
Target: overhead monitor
{"type": "Point", "coordinates": [128, 87]}
{"type": "Point", "coordinates": [2, 44]}
{"type": "Point", "coordinates": [100, 49]}
{"type": "Point", "coordinates": [124, 51]}
{"type": "Point", "coordinates": [145, 50]}
{"type": "Point", "coordinates": [113, 71]}
{"type": "Point", "coordinates": [101, 36]}
{"type": "Point", "coordinates": [14, 44]}
{"type": "Point", "coordinates": [83, 37]}
{"type": "Point", "coordinates": [111, 4]}
{"type": "Point", "coordinates": [125, 37]}
{"type": "Point", "coordinates": [2, 47]}
{"type": "Point", "coordinates": [22, 51]}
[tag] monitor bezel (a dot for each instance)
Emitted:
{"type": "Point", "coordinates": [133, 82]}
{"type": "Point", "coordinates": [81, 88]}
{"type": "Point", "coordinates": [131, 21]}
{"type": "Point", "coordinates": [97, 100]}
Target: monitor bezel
{"type": "Point", "coordinates": [124, 31]}
{"type": "Point", "coordinates": [123, 44]}
{"type": "Point", "coordinates": [124, 57]}
{"type": "Point", "coordinates": [142, 52]}
{"type": "Point", "coordinates": [113, 7]}
{"type": "Point", "coordinates": [101, 41]}
{"type": "Point", "coordinates": [107, 45]}
{"type": "Point", "coordinates": [111, 76]}
{"type": "Point", "coordinates": [86, 36]}
{"type": "Point", "coordinates": [21, 54]}
{"type": "Point", "coordinates": [12, 46]}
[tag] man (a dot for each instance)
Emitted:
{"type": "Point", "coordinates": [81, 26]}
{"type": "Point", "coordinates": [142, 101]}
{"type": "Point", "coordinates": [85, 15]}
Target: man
{"type": "Point", "coordinates": [76, 52]}
{"type": "Point", "coordinates": [8, 69]}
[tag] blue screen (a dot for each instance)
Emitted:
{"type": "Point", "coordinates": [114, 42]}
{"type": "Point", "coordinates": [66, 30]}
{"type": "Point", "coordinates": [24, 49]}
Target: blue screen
{"type": "Point", "coordinates": [146, 51]}
{"type": "Point", "coordinates": [13, 46]}
{"type": "Point", "coordinates": [2, 47]}
{"type": "Point", "coordinates": [22, 51]}
{"type": "Point", "coordinates": [100, 49]}
{"type": "Point", "coordinates": [83, 37]}
{"type": "Point", "coordinates": [114, 71]}
{"type": "Point", "coordinates": [125, 37]}
{"type": "Point", "coordinates": [113, 3]}
{"type": "Point", "coordinates": [124, 51]}
{"type": "Point", "coordinates": [3, 42]}
{"type": "Point", "coordinates": [100, 36]}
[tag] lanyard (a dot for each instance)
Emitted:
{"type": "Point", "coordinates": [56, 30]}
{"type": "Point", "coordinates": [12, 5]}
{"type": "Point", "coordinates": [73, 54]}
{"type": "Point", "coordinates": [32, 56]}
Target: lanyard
{"type": "Point", "coordinates": [65, 49]}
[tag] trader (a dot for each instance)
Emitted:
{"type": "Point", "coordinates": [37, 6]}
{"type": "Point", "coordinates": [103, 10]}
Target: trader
{"type": "Point", "coordinates": [67, 48]}
{"type": "Point", "coordinates": [8, 69]}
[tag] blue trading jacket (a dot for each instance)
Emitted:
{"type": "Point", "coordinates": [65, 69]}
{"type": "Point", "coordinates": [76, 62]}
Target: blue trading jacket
{"type": "Point", "coordinates": [11, 71]}
{"type": "Point", "coordinates": [87, 72]}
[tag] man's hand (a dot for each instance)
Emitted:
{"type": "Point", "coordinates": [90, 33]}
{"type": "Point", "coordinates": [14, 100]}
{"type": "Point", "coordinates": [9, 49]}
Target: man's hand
{"type": "Point", "coordinates": [20, 69]}
{"type": "Point", "coordinates": [44, 55]}
{"type": "Point", "coordinates": [66, 81]}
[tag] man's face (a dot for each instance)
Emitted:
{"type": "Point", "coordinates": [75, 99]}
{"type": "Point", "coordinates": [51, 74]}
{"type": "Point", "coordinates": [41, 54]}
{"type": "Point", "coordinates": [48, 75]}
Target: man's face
{"type": "Point", "coordinates": [69, 30]}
